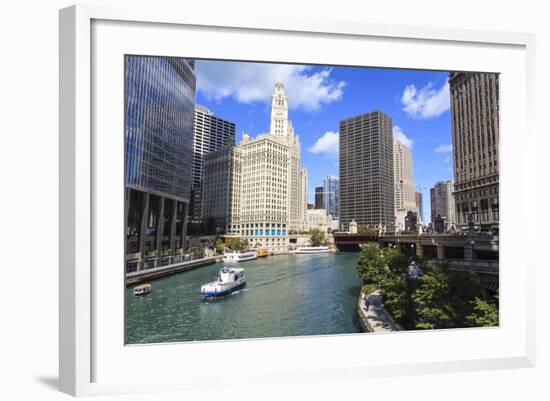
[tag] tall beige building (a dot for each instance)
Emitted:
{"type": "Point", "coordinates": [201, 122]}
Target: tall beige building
{"type": "Point", "coordinates": [475, 119]}
{"type": "Point", "coordinates": [268, 180]}
{"type": "Point", "coordinates": [303, 201]}
{"type": "Point", "coordinates": [405, 197]}
{"type": "Point", "coordinates": [443, 204]}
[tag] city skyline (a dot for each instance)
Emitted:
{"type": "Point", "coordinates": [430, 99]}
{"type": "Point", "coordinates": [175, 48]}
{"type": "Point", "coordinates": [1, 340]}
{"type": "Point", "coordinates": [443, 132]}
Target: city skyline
{"type": "Point", "coordinates": [254, 192]}
{"type": "Point", "coordinates": [417, 102]}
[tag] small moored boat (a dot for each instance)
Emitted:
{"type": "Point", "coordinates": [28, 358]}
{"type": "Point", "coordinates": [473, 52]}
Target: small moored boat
{"type": "Point", "coordinates": [262, 253]}
{"type": "Point", "coordinates": [312, 249]}
{"type": "Point", "coordinates": [142, 289]}
{"type": "Point", "coordinates": [229, 279]}
{"type": "Point", "coordinates": [232, 257]}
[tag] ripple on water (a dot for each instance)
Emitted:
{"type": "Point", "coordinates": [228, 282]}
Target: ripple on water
{"type": "Point", "coordinates": [285, 296]}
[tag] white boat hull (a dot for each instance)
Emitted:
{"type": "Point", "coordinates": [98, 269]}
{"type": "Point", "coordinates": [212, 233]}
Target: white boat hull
{"type": "Point", "coordinates": [306, 251]}
{"type": "Point", "coordinates": [209, 290]}
{"type": "Point", "coordinates": [236, 257]}
{"type": "Point", "coordinates": [229, 280]}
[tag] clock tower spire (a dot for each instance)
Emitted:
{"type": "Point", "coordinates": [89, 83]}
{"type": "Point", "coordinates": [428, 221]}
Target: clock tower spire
{"type": "Point", "coordinates": [279, 111]}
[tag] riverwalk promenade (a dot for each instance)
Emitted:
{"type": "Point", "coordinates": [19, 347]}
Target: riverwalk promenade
{"type": "Point", "coordinates": [375, 318]}
{"type": "Point", "coordinates": [162, 271]}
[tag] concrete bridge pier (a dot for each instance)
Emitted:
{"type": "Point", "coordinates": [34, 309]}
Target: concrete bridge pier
{"type": "Point", "coordinates": [469, 250]}
{"type": "Point", "coordinates": [440, 251]}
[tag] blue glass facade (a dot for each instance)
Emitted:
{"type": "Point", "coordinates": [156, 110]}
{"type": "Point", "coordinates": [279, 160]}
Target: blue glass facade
{"type": "Point", "coordinates": [160, 104]}
{"type": "Point", "coordinates": [331, 195]}
{"type": "Point", "coordinates": [159, 113]}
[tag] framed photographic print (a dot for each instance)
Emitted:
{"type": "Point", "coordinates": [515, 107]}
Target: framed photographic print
{"type": "Point", "coordinates": [277, 195]}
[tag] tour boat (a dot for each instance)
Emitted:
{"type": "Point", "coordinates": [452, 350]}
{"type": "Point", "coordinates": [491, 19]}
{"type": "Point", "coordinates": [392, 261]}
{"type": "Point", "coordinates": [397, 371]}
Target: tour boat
{"type": "Point", "coordinates": [262, 253]}
{"type": "Point", "coordinates": [142, 289]}
{"type": "Point", "coordinates": [312, 249]}
{"type": "Point", "coordinates": [233, 257]}
{"type": "Point", "coordinates": [229, 279]}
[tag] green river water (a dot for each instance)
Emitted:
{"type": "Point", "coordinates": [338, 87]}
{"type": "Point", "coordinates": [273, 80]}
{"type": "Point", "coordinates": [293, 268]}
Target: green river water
{"type": "Point", "coordinates": [287, 295]}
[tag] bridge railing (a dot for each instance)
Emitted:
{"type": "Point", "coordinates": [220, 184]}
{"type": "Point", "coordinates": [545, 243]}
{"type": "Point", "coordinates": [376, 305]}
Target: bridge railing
{"type": "Point", "coordinates": [472, 266]}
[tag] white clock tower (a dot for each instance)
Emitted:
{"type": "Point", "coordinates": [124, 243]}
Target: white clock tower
{"type": "Point", "coordinates": [279, 111]}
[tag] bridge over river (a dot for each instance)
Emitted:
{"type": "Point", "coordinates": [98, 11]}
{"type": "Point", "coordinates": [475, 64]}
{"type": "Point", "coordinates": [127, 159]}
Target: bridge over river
{"type": "Point", "coordinates": [477, 253]}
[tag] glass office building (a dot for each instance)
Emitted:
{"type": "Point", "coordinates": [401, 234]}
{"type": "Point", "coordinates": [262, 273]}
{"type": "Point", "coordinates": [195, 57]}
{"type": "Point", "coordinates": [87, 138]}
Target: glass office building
{"type": "Point", "coordinates": [331, 186]}
{"type": "Point", "coordinates": [160, 104]}
{"type": "Point", "coordinates": [159, 113]}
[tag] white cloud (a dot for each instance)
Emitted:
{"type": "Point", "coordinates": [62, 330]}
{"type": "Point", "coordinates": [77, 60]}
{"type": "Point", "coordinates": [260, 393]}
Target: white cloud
{"type": "Point", "coordinates": [444, 148]}
{"type": "Point", "coordinates": [401, 137]}
{"type": "Point", "coordinates": [447, 159]}
{"type": "Point", "coordinates": [426, 102]}
{"type": "Point", "coordinates": [328, 144]}
{"type": "Point", "coordinates": [254, 82]}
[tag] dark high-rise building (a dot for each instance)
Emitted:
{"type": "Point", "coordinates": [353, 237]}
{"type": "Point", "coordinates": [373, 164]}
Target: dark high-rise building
{"type": "Point", "coordinates": [319, 198]}
{"type": "Point", "coordinates": [159, 108]}
{"type": "Point", "coordinates": [475, 119]}
{"type": "Point", "coordinates": [366, 171]}
{"type": "Point", "coordinates": [222, 189]}
{"type": "Point", "coordinates": [210, 133]}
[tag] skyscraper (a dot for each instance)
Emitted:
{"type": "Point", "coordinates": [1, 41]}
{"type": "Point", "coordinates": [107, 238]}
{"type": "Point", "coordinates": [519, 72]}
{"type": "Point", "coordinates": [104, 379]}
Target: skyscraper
{"type": "Point", "coordinates": [475, 119]}
{"type": "Point", "coordinates": [442, 203]}
{"type": "Point", "coordinates": [303, 202]}
{"type": "Point", "coordinates": [405, 199]}
{"type": "Point", "coordinates": [159, 108]}
{"type": "Point", "coordinates": [222, 189]}
{"type": "Point", "coordinates": [319, 197]}
{"type": "Point", "coordinates": [268, 180]}
{"type": "Point", "coordinates": [210, 133]}
{"type": "Point", "coordinates": [366, 171]}
{"type": "Point", "coordinates": [331, 189]}
{"type": "Point", "coordinates": [420, 206]}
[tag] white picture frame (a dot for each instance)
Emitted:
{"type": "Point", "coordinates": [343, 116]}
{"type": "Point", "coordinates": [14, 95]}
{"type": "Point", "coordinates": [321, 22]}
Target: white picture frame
{"type": "Point", "coordinates": [87, 366]}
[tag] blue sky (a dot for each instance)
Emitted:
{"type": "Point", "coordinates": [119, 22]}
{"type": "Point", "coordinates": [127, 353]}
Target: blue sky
{"type": "Point", "coordinates": [319, 97]}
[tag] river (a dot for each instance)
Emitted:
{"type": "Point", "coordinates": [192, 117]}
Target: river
{"type": "Point", "coordinates": [287, 295]}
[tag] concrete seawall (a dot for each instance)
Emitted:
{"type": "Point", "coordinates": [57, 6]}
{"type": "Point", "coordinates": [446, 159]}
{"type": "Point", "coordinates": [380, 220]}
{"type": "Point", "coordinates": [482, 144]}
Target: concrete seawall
{"type": "Point", "coordinates": [162, 271]}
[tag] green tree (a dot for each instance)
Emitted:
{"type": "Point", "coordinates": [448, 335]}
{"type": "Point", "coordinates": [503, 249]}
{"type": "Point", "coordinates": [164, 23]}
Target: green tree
{"type": "Point", "coordinates": [431, 300]}
{"type": "Point", "coordinates": [220, 246]}
{"type": "Point", "coordinates": [484, 314]}
{"type": "Point", "coordinates": [229, 242]}
{"type": "Point", "coordinates": [463, 290]}
{"type": "Point", "coordinates": [236, 244]}
{"type": "Point", "coordinates": [396, 295]}
{"type": "Point", "coordinates": [317, 237]}
{"type": "Point", "coordinates": [397, 262]}
{"type": "Point", "coordinates": [364, 229]}
{"type": "Point", "coordinates": [371, 265]}
{"type": "Point", "coordinates": [397, 288]}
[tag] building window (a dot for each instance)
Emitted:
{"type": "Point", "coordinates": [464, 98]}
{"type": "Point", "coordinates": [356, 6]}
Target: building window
{"type": "Point", "coordinates": [494, 207]}
{"type": "Point", "coordinates": [484, 210]}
